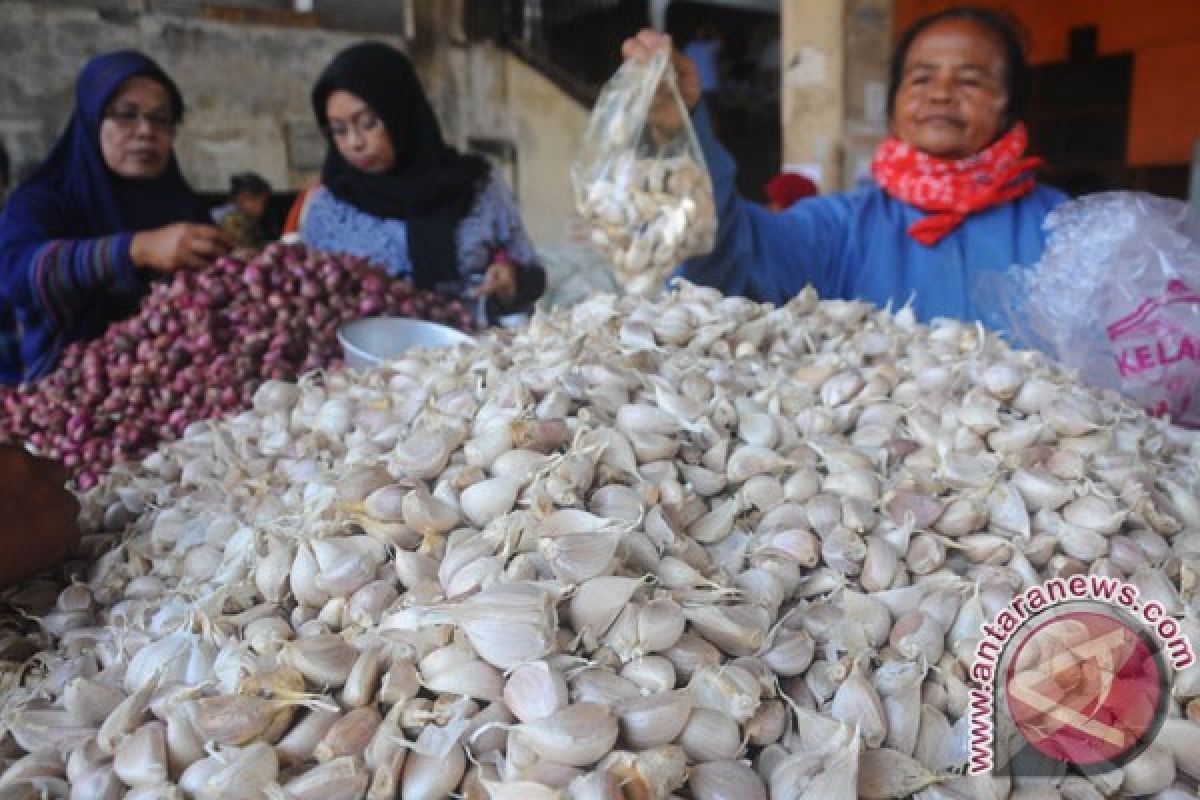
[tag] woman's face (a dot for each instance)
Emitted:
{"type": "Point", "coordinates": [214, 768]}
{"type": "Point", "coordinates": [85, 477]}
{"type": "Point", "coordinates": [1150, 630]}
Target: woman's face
{"type": "Point", "coordinates": [138, 130]}
{"type": "Point", "coordinates": [359, 134]}
{"type": "Point", "coordinates": [952, 98]}
{"type": "Point", "coordinates": [253, 204]}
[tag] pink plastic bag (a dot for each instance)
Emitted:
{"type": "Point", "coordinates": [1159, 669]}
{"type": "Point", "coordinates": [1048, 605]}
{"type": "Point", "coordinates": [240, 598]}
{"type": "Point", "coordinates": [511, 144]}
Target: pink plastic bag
{"type": "Point", "coordinates": [1116, 295]}
{"type": "Point", "coordinates": [1157, 351]}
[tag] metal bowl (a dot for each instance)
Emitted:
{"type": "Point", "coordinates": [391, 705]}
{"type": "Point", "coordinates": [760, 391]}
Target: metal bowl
{"type": "Point", "coordinates": [369, 342]}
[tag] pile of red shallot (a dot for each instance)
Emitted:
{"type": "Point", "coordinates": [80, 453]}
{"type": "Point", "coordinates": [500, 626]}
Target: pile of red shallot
{"type": "Point", "coordinates": [198, 348]}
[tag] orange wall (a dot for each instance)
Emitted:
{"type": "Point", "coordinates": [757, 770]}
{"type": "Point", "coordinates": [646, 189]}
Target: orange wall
{"type": "Point", "coordinates": [1165, 118]}
{"type": "Point", "coordinates": [1164, 36]}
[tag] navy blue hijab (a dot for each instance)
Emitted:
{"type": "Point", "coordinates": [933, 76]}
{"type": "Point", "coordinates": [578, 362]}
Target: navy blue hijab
{"type": "Point", "coordinates": [86, 196]}
{"type": "Point", "coordinates": [73, 195]}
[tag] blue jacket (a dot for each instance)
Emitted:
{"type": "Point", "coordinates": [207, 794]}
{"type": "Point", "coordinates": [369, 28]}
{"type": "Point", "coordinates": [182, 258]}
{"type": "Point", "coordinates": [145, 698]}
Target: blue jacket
{"type": "Point", "coordinates": [856, 246]}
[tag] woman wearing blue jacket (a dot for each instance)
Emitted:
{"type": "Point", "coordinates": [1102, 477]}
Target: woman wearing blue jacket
{"type": "Point", "coordinates": [954, 197]}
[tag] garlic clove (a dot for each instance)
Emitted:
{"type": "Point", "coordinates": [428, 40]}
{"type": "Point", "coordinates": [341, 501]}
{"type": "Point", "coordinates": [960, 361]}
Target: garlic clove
{"type": "Point", "coordinates": [472, 678]}
{"type": "Point", "coordinates": [650, 673]}
{"type": "Point", "coordinates": [339, 779]}
{"type": "Point", "coordinates": [426, 514]}
{"type": "Point", "coordinates": [654, 720]}
{"type": "Point", "coordinates": [768, 724]}
{"type": "Point", "coordinates": [349, 735]}
{"type": "Point", "coordinates": [737, 630]}
{"type": "Point", "coordinates": [856, 703]}
{"type": "Point", "coordinates": [578, 735]}
{"type": "Point", "coordinates": [716, 780]}
{"type": "Point", "coordinates": [141, 758]}
{"type": "Point", "coordinates": [325, 659]}
{"type": "Point", "coordinates": [100, 783]}
{"type": "Point", "coordinates": [535, 691]}
{"type": "Point", "coordinates": [486, 500]}
{"type": "Point", "coordinates": [597, 603]}
{"type": "Point", "coordinates": [1151, 771]}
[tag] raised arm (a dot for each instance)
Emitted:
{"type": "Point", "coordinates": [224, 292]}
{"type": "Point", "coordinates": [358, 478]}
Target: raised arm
{"type": "Point", "coordinates": [765, 255]}
{"type": "Point", "coordinates": [757, 253]}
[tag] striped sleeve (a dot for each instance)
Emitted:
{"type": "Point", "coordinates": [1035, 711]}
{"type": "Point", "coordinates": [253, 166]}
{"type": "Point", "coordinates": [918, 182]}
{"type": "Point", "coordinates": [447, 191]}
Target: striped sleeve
{"type": "Point", "coordinates": [66, 274]}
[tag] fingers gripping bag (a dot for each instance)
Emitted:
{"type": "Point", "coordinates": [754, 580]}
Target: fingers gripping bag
{"type": "Point", "coordinates": [640, 181]}
{"type": "Point", "coordinates": [1116, 295]}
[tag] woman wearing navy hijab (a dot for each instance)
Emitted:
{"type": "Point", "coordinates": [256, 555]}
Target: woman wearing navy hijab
{"type": "Point", "coordinates": [106, 211]}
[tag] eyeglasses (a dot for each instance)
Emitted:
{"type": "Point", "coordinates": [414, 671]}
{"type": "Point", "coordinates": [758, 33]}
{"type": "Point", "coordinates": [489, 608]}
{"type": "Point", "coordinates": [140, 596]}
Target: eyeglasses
{"type": "Point", "coordinates": [362, 123]}
{"type": "Point", "coordinates": [127, 119]}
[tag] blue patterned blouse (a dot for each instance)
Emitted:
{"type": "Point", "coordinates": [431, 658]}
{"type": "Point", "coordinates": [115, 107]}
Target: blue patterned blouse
{"type": "Point", "coordinates": [492, 224]}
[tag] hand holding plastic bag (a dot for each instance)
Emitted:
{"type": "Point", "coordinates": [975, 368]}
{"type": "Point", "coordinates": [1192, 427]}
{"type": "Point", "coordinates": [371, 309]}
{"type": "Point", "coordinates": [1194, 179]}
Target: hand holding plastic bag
{"type": "Point", "coordinates": [640, 180]}
{"type": "Point", "coordinates": [1115, 295]}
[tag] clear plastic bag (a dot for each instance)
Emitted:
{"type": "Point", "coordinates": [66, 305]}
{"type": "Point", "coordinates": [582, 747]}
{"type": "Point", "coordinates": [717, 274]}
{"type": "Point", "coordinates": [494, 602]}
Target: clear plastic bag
{"type": "Point", "coordinates": [640, 180]}
{"type": "Point", "coordinates": [1115, 295]}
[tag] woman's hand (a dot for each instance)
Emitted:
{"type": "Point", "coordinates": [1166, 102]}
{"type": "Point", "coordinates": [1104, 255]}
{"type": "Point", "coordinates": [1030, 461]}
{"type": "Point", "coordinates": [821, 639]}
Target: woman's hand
{"type": "Point", "coordinates": [500, 281]}
{"type": "Point", "coordinates": [183, 245]}
{"type": "Point", "coordinates": [641, 48]}
{"type": "Point", "coordinates": [40, 514]}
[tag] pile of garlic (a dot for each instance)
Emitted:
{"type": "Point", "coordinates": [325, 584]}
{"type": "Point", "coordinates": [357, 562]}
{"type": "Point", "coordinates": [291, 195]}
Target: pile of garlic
{"type": "Point", "coordinates": [696, 548]}
{"type": "Point", "coordinates": [648, 215]}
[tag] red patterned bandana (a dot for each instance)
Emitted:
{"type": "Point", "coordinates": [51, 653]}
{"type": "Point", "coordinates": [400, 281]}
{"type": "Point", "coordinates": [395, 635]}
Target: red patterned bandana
{"type": "Point", "coordinates": [950, 190]}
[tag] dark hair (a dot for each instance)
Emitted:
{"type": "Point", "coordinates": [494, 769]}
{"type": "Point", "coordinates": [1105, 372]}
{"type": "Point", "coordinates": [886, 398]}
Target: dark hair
{"type": "Point", "coordinates": [1000, 25]}
{"type": "Point", "coordinates": [250, 182]}
{"type": "Point", "coordinates": [4, 167]}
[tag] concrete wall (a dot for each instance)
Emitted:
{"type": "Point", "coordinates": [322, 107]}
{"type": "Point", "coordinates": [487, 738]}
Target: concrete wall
{"type": "Point", "coordinates": [484, 95]}
{"type": "Point", "coordinates": [834, 81]}
{"type": "Point", "coordinates": [247, 92]}
{"type": "Point", "coordinates": [548, 127]}
{"type": "Point", "coordinates": [246, 86]}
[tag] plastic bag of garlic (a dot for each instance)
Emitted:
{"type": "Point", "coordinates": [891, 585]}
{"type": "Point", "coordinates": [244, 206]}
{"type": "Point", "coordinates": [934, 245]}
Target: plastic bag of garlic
{"type": "Point", "coordinates": [696, 548]}
{"type": "Point", "coordinates": [640, 180]}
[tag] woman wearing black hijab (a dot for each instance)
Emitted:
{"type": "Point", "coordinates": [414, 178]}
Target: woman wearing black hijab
{"type": "Point", "coordinates": [394, 193]}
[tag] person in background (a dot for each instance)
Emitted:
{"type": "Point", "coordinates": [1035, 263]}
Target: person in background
{"type": "Point", "coordinates": [394, 193]}
{"type": "Point", "coordinates": [106, 212]}
{"type": "Point", "coordinates": [786, 188]}
{"type": "Point", "coordinates": [242, 218]}
{"type": "Point", "coordinates": [704, 50]}
{"type": "Point", "coordinates": [955, 194]}
{"type": "Point", "coordinates": [294, 222]}
{"type": "Point", "coordinates": [40, 515]}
